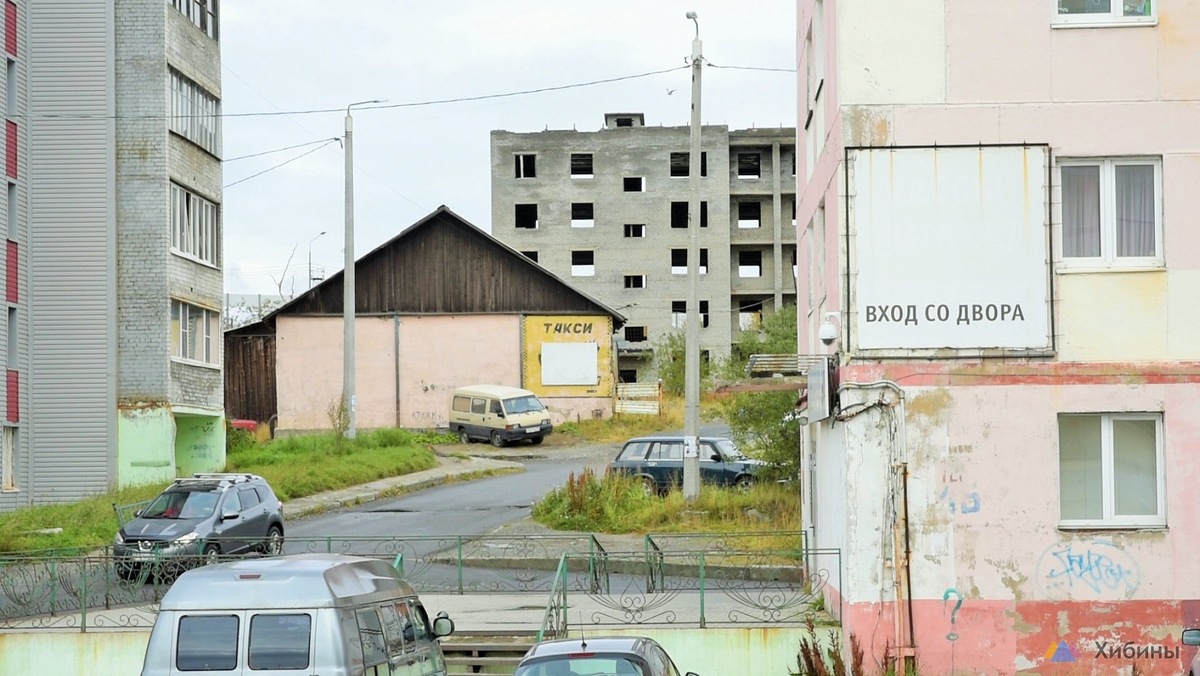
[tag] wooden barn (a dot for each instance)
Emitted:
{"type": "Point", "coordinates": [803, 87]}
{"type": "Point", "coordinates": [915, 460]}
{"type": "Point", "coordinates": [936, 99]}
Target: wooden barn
{"type": "Point", "coordinates": [441, 305]}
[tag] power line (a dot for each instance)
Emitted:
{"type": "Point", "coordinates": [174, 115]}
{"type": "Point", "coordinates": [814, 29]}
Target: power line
{"type": "Point", "coordinates": [279, 150]}
{"type": "Point", "coordinates": [243, 180]}
{"type": "Point", "coordinates": [769, 70]}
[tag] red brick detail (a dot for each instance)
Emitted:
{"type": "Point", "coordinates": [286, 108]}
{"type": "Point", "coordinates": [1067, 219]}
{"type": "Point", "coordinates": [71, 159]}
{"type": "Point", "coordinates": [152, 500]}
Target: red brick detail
{"type": "Point", "coordinates": [952, 374]}
{"type": "Point", "coordinates": [12, 273]}
{"type": "Point", "coordinates": [10, 148]}
{"type": "Point", "coordinates": [10, 27]}
{"type": "Point", "coordinates": [13, 393]}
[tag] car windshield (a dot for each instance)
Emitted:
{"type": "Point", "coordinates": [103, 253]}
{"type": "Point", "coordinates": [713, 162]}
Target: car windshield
{"type": "Point", "coordinates": [523, 405]}
{"type": "Point", "coordinates": [182, 505]}
{"type": "Point", "coordinates": [583, 666]}
{"type": "Point", "coordinates": [728, 449]}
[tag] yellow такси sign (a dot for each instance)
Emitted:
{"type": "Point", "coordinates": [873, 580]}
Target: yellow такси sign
{"type": "Point", "coordinates": [567, 355]}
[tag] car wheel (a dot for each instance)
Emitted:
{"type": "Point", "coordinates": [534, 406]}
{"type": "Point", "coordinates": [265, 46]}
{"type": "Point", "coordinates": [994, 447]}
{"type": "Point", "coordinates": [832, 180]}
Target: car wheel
{"type": "Point", "coordinates": [743, 483]}
{"type": "Point", "coordinates": [274, 546]}
{"type": "Point", "coordinates": [463, 437]}
{"type": "Point", "coordinates": [496, 440]}
{"type": "Point", "coordinates": [649, 487]}
{"type": "Point", "coordinates": [212, 554]}
{"type": "Point", "coordinates": [536, 440]}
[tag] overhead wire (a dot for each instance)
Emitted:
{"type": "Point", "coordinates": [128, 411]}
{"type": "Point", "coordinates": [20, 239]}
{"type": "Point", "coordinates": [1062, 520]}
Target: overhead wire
{"type": "Point", "coordinates": [243, 180]}
{"type": "Point", "coordinates": [279, 150]}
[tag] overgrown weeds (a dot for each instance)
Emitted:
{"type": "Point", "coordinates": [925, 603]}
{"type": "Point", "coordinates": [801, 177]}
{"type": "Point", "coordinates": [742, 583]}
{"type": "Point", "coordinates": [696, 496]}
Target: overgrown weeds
{"type": "Point", "coordinates": [815, 660]}
{"type": "Point", "coordinates": [616, 503]}
{"type": "Point", "coordinates": [626, 426]}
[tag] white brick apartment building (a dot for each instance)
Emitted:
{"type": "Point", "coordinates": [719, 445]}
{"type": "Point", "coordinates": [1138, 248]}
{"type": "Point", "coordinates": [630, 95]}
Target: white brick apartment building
{"type": "Point", "coordinates": [113, 240]}
{"type": "Point", "coordinates": [608, 212]}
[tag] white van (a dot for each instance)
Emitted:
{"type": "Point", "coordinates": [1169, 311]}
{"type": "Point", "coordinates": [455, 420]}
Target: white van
{"type": "Point", "coordinates": [498, 414]}
{"type": "Point", "coordinates": [324, 614]}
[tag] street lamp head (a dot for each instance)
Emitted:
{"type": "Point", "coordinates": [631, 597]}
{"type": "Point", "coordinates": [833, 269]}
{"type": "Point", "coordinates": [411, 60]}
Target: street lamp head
{"type": "Point", "coordinates": [692, 16]}
{"type": "Point", "coordinates": [363, 103]}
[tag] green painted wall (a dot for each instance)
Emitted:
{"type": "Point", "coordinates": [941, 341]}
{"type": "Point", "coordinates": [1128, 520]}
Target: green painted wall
{"type": "Point", "coordinates": [145, 446]}
{"type": "Point", "coordinates": [199, 443]}
{"type": "Point", "coordinates": [70, 651]}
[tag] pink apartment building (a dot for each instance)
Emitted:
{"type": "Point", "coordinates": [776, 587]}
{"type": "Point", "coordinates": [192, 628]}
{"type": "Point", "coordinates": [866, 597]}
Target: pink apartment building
{"type": "Point", "coordinates": [1002, 203]}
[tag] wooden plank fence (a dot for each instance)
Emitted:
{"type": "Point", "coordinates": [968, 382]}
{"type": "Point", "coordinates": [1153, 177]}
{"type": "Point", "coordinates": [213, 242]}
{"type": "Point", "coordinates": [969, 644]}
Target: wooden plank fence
{"type": "Point", "coordinates": [639, 398]}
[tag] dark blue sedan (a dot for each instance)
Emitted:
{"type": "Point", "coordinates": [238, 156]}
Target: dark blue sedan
{"type": "Point", "coordinates": [658, 463]}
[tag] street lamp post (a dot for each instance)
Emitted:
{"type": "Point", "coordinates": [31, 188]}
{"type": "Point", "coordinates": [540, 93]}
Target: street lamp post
{"type": "Point", "coordinates": [348, 295]}
{"type": "Point", "coordinates": [310, 243]}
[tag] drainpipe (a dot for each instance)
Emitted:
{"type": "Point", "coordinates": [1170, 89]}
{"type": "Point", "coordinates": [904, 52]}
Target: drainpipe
{"type": "Point", "coordinates": [396, 359]}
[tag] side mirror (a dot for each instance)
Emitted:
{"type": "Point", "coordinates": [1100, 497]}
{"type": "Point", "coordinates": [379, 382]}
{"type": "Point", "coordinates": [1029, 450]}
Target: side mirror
{"type": "Point", "coordinates": [137, 513]}
{"type": "Point", "coordinates": [1191, 637]}
{"type": "Point", "coordinates": [229, 516]}
{"type": "Point", "coordinates": [716, 457]}
{"type": "Point", "coordinates": [443, 625]}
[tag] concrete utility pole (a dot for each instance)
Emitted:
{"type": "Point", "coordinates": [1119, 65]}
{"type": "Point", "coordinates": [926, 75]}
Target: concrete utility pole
{"type": "Point", "coordinates": [348, 295]}
{"type": "Point", "coordinates": [691, 389]}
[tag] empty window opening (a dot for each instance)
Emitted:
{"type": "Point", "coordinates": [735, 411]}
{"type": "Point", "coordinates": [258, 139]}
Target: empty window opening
{"type": "Point", "coordinates": [635, 281]}
{"type": "Point", "coordinates": [679, 261]}
{"type": "Point", "coordinates": [750, 313]}
{"type": "Point", "coordinates": [624, 121]}
{"type": "Point", "coordinates": [635, 229]}
{"type": "Point", "coordinates": [635, 334]}
{"type": "Point", "coordinates": [679, 314]}
{"type": "Point", "coordinates": [748, 165]}
{"type": "Point", "coordinates": [583, 263]}
{"type": "Point", "coordinates": [583, 215]}
{"type": "Point", "coordinates": [581, 165]}
{"type": "Point", "coordinates": [526, 166]}
{"type": "Point", "coordinates": [679, 214]}
{"type": "Point", "coordinates": [749, 264]}
{"type": "Point", "coordinates": [531, 255]}
{"type": "Point", "coordinates": [526, 216]}
{"type": "Point", "coordinates": [635, 184]}
{"type": "Point", "coordinates": [681, 164]}
{"type": "Point", "coordinates": [627, 375]}
{"type": "Point", "coordinates": [749, 214]}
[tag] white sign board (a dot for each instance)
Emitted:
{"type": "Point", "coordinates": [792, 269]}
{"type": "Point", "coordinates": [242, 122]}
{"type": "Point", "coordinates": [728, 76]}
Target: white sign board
{"type": "Point", "coordinates": [570, 363]}
{"type": "Point", "coordinates": [950, 248]}
{"type": "Point", "coordinates": [818, 391]}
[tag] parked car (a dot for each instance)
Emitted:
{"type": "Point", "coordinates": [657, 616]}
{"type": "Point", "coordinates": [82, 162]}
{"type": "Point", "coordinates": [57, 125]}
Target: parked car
{"type": "Point", "coordinates": [499, 414]}
{"type": "Point", "coordinates": [620, 655]}
{"type": "Point", "coordinates": [658, 462]}
{"type": "Point", "coordinates": [199, 519]}
{"type": "Point", "coordinates": [1191, 637]}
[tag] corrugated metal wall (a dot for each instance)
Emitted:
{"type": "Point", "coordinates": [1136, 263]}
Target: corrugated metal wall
{"type": "Point", "coordinates": [72, 247]}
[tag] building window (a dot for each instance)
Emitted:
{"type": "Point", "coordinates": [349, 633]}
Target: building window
{"type": "Point", "coordinates": [195, 114]}
{"type": "Point", "coordinates": [8, 460]}
{"type": "Point", "coordinates": [583, 263]}
{"type": "Point", "coordinates": [679, 314]}
{"type": "Point", "coordinates": [679, 261]}
{"type": "Point", "coordinates": [12, 272]}
{"type": "Point", "coordinates": [1112, 212]}
{"type": "Point", "coordinates": [635, 184]}
{"type": "Point", "coordinates": [636, 230]}
{"type": "Point", "coordinates": [793, 206]}
{"type": "Point", "coordinates": [814, 123]}
{"type": "Point", "coordinates": [525, 165]}
{"type": "Point", "coordinates": [1111, 470]}
{"type": "Point", "coordinates": [679, 214]}
{"type": "Point", "coordinates": [627, 375]}
{"type": "Point", "coordinates": [749, 264]}
{"type": "Point", "coordinates": [624, 121]}
{"type": "Point", "coordinates": [635, 281]}
{"type": "Point", "coordinates": [583, 215]}
{"type": "Point", "coordinates": [681, 164]}
{"type": "Point", "coordinates": [10, 85]}
{"type": "Point", "coordinates": [531, 255]}
{"type": "Point", "coordinates": [581, 165]}
{"type": "Point", "coordinates": [195, 226]}
{"type": "Point", "coordinates": [202, 13]}
{"type": "Point", "coordinates": [749, 214]}
{"type": "Point", "coordinates": [748, 165]}
{"type": "Point", "coordinates": [195, 333]}
{"type": "Point", "coordinates": [11, 136]}
{"type": "Point", "coordinates": [750, 314]}
{"type": "Point", "coordinates": [525, 216]}
{"type": "Point", "coordinates": [12, 338]}
{"type": "Point", "coordinates": [635, 334]}
{"type": "Point", "coordinates": [1093, 12]}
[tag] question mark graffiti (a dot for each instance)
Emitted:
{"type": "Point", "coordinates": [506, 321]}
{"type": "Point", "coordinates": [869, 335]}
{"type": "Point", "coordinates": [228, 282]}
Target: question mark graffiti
{"type": "Point", "coordinates": [952, 636]}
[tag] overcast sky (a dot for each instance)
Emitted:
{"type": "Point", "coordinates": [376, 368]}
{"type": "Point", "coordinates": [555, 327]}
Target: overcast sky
{"type": "Point", "coordinates": [283, 56]}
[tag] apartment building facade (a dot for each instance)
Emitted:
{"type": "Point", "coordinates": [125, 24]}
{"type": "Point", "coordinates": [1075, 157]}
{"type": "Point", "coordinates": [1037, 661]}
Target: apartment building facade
{"type": "Point", "coordinates": [608, 212]}
{"type": "Point", "coordinates": [999, 217]}
{"type": "Point", "coordinates": [113, 231]}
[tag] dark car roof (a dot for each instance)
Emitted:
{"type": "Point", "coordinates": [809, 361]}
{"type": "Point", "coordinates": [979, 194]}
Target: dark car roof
{"type": "Point", "coordinates": [674, 437]}
{"type": "Point", "coordinates": [590, 644]}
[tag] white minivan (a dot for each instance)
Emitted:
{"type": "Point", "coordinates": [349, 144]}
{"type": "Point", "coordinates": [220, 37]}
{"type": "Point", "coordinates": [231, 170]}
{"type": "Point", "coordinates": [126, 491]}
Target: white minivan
{"type": "Point", "coordinates": [498, 414]}
{"type": "Point", "coordinates": [306, 614]}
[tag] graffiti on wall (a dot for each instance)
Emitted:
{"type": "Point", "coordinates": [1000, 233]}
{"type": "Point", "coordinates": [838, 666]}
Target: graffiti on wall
{"type": "Point", "coordinates": [958, 497]}
{"type": "Point", "coordinates": [1094, 569]}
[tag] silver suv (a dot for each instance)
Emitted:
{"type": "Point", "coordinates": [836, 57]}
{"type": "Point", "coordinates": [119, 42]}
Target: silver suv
{"type": "Point", "coordinates": [199, 519]}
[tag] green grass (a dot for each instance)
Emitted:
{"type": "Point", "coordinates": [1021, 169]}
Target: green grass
{"type": "Point", "coordinates": [294, 466]}
{"type": "Point", "coordinates": [617, 504]}
{"type": "Point", "coordinates": [619, 428]}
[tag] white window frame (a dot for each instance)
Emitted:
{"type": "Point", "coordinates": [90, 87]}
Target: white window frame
{"type": "Point", "coordinates": [1107, 476]}
{"type": "Point", "coordinates": [195, 226]}
{"type": "Point", "coordinates": [204, 14]}
{"type": "Point", "coordinates": [183, 347]}
{"type": "Point", "coordinates": [195, 113]}
{"type": "Point", "coordinates": [519, 165]}
{"type": "Point", "coordinates": [8, 459]}
{"type": "Point", "coordinates": [1108, 260]}
{"type": "Point", "coordinates": [640, 284]}
{"type": "Point", "coordinates": [814, 129]}
{"type": "Point", "coordinates": [1114, 17]}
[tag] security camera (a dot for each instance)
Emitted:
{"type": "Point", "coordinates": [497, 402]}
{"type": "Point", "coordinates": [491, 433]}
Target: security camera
{"type": "Point", "coordinates": [828, 332]}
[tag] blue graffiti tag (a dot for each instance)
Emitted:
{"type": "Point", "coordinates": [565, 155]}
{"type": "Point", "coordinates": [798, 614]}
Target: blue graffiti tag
{"type": "Point", "coordinates": [969, 506]}
{"type": "Point", "coordinates": [1091, 567]}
